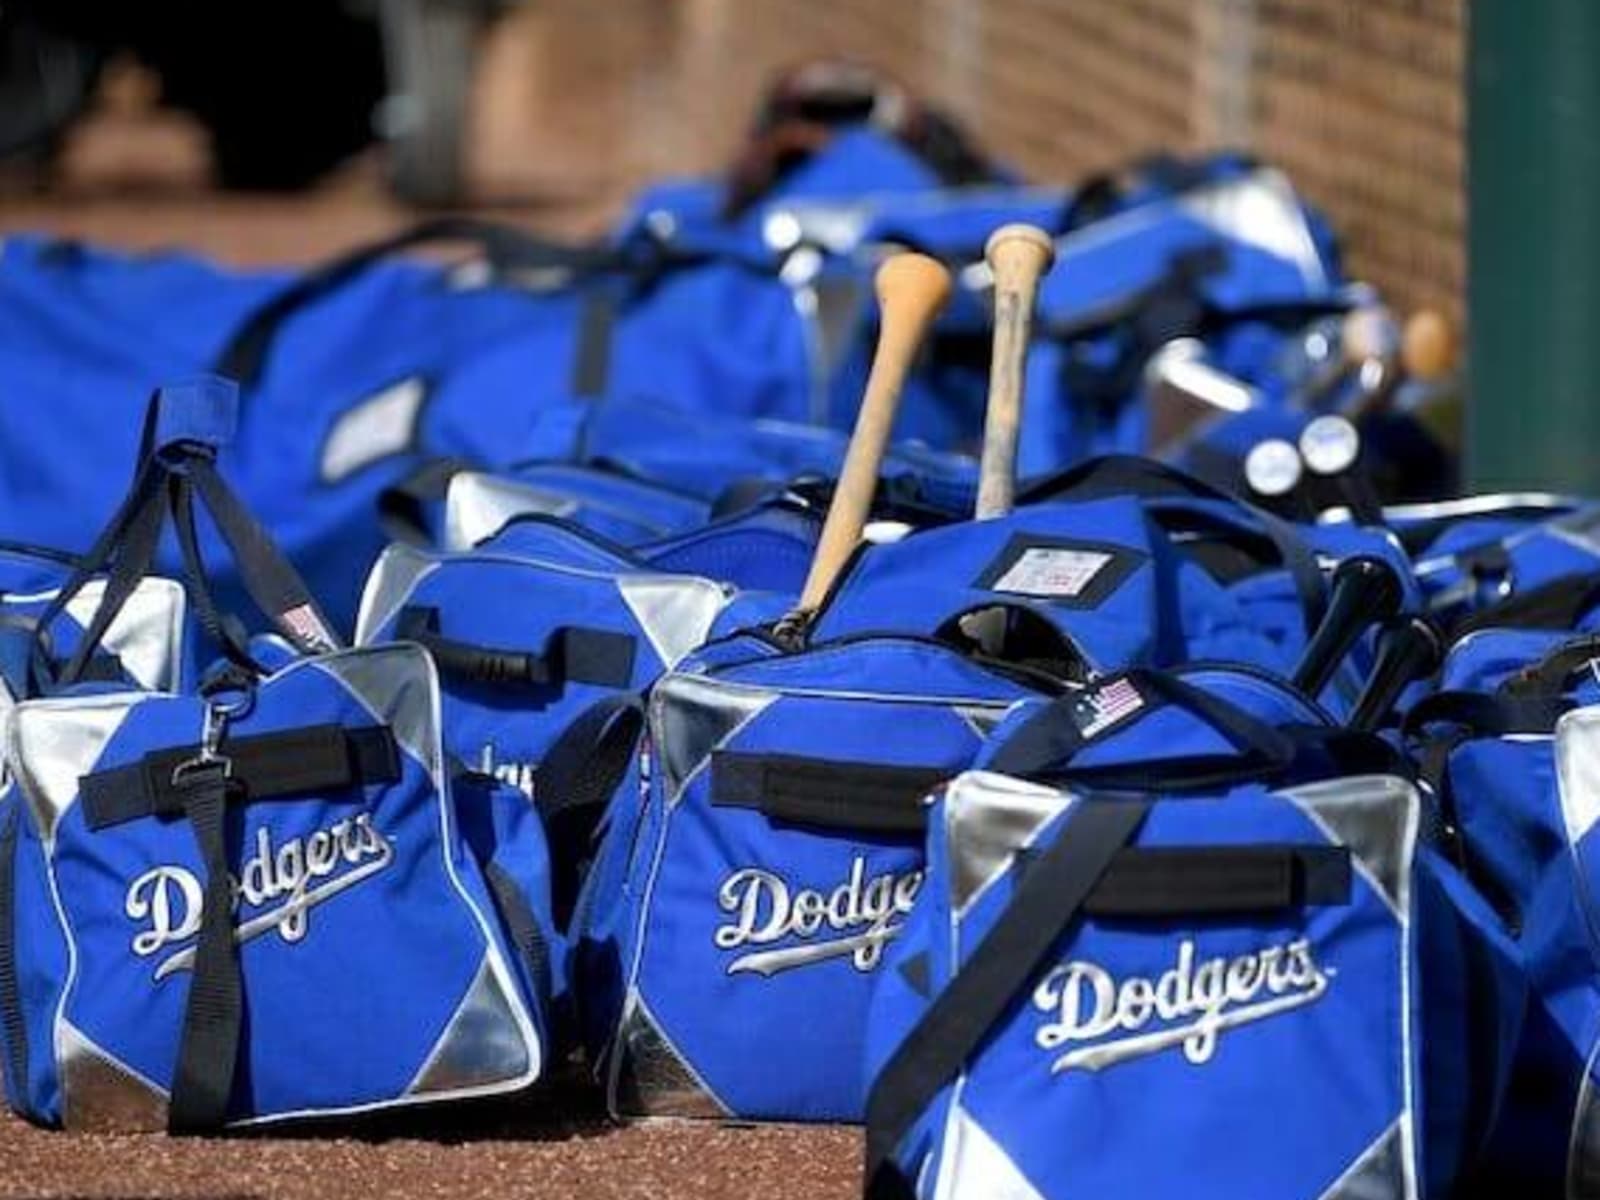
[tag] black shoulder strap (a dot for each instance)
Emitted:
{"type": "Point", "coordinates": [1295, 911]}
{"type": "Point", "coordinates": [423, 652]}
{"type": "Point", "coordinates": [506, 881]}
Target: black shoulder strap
{"type": "Point", "coordinates": [1558, 605]}
{"type": "Point", "coordinates": [1047, 902]}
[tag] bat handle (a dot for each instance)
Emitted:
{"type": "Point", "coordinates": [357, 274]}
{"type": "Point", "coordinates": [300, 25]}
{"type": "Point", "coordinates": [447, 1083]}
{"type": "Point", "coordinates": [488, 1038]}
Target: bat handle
{"type": "Point", "coordinates": [1428, 345]}
{"type": "Point", "coordinates": [1406, 652]}
{"type": "Point", "coordinates": [911, 289]}
{"type": "Point", "coordinates": [1018, 256]}
{"type": "Point", "coordinates": [1365, 590]}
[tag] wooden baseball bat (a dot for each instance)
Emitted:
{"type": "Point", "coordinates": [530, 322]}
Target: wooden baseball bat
{"type": "Point", "coordinates": [911, 289]}
{"type": "Point", "coordinates": [1428, 345]}
{"type": "Point", "coordinates": [1018, 256]}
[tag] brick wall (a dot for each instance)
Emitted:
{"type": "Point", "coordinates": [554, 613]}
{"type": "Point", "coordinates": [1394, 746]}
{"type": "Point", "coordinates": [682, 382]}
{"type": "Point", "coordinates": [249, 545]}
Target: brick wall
{"type": "Point", "coordinates": [1360, 100]}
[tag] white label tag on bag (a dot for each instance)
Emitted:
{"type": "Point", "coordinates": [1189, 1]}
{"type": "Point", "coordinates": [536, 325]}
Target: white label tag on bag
{"type": "Point", "coordinates": [1052, 571]}
{"type": "Point", "coordinates": [384, 424]}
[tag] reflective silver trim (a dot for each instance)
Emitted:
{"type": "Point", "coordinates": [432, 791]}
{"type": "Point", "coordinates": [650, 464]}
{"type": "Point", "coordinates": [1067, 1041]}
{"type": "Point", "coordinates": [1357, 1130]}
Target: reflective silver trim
{"type": "Point", "coordinates": [54, 743]}
{"type": "Point", "coordinates": [481, 1045]}
{"type": "Point", "coordinates": [982, 719]}
{"type": "Point", "coordinates": [1583, 1145]}
{"type": "Point", "coordinates": [1383, 1171]}
{"type": "Point", "coordinates": [649, 1077]}
{"type": "Point", "coordinates": [973, 1166]}
{"type": "Point", "coordinates": [396, 684]}
{"type": "Point", "coordinates": [1464, 506]}
{"type": "Point", "coordinates": [147, 635]}
{"type": "Point", "coordinates": [396, 574]}
{"type": "Point", "coordinates": [988, 818]}
{"type": "Point", "coordinates": [1376, 817]}
{"type": "Point", "coordinates": [100, 1094]}
{"type": "Point", "coordinates": [1578, 771]}
{"type": "Point", "coordinates": [478, 506]}
{"type": "Point", "coordinates": [690, 716]}
{"type": "Point", "coordinates": [675, 612]}
{"type": "Point", "coordinates": [1261, 209]}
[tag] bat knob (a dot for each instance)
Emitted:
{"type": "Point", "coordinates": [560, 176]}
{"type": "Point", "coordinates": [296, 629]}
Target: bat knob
{"type": "Point", "coordinates": [1019, 247]}
{"type": "Point", "coordinates": [1330, 445]}
{"type": "Point", "coordinates": [1368, 333]}
{"type": "Point", "coordinates": [1428, 346]}
{"type": "Point", "coordinates": [1273, 468]}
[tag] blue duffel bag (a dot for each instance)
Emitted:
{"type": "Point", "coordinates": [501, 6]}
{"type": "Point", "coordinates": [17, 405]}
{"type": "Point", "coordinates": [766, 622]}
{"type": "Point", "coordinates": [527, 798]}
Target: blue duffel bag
{"type": "Point", "coordinates": [760, 857]}
{"type": "Point", "coordinates": [1181, 933]}
{"type": "Point", "coordinates": [182, 875]}
{"type": "Point", "coordinates": [1121, 562]}
{"type": "Point", "coordinates": [1510, 742]}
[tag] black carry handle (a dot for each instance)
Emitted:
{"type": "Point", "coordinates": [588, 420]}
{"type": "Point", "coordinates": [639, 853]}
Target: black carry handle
{"type": "Point", "coordinates": [185, 425]}
{"type": "Point", "coordinates": [1364, 591]}
{"type": "Point", "coordinates": [1552, 674]}
{"type": "Point", "coordinates": [828, 793]}
{"type": "Point", "coordinates": [1047, 746]}
{"type": "Point", "coordinates": [573, 654]}
{"type": "Point", "coordinates": [1407, 651]}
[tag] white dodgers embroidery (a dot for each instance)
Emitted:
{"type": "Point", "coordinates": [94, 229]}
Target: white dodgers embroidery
{"type": "Point", "coordinates": [167, 900]}
{"type": "Point", "coordinates": [1052, 571]}
{"type": "Point", "coordinates": [1195, 1002]}
{"type": "Point", "coordinates": [856, 918]}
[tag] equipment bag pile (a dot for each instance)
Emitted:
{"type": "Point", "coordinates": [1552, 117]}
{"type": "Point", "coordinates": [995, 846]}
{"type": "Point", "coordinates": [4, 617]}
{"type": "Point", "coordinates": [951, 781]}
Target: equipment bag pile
{"type": "Point", "coordinates": [873, 640]}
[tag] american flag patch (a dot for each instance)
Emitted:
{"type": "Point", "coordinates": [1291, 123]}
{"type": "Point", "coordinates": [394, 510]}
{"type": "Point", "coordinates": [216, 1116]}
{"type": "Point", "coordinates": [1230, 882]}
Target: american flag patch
{"type": "Point", "coordinates": [308, 630]}
{"type": "Point", "coordinates": [1098, 708]}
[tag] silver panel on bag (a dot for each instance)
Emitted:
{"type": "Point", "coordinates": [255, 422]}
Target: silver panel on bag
{"type": "Point", "coordinates": [397, 684]}
{"type": "Point", "coordinates": [675, 612]}
{"type": "Point", "coordinates": [1382, 1172]}
{"type": "Point", "coordinates": [147, 635]}
{"type": "Point", "coordinates": [690, 717]}
{"type": "Point", "coordinates": [973, 1166]}
{"type": "Point", "coordinates": [1577, 745]}
{"type": "Point", "coordinates": [478, 506]}
{"type": "Point", "coordinates": [54, 743]}
{"type": "Point", "coordinates": [481, 1045]}
{"type": "Point", "coordinates": [1376, 817]}
{"type": "Point", "coordinates": [396, 574]}
{"type": "Point", "coordinates": [1260, 209]}
{"type": "Point", "coordinates": [988, 818]}
{"type": "Point", "coordinates": [650, 1078]}
{"type": "Point", "coordinates": [100, 1094]}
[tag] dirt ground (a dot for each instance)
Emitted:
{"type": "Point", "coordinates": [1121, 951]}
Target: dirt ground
{"type": "Point", "coordinates": [650, 1161]}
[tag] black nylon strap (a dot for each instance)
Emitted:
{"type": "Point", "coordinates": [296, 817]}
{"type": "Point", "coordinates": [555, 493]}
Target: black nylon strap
{"type": "Point", "coordinates": [1558, 605]}
{"type": "Point", "coordinates": [208, 1051]}
{"type": "Point", "coordinates": [573, 654]}
{"type": "Point", "coordinates": [867, 797]}
{"type": "Point", "coordinates": [1045, 904]}
{"type": "Point", "coordinates": [317, 758]}
{"type": "Point", "coordinates": [11, 1020]}
{"type": "Point", "coordinates": [1485, 714]}
{"type": "Point", "coordinates": [523, 928]}
{"type": "Point", "coordinates": [574, 783]}
{"type": "Point", "coordinates": [1552, 674]}
{"type": "Point", "coordinates": [591, 358]}
{"type": "Point", "coordinates": [269, 577]}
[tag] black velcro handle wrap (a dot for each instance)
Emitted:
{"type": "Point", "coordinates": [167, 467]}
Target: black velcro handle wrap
{"type": "Point", "coordinates": [1047, 901]}
{"type": "Point", "coordinates": [12, 1028]}
{"type": "Point", "coordinates": [1181, 881]}
{"type": "Point", "coordinates": [573, 654]}
{"type": "Point", "coordinates": [867, 797]}
{"type": "Point", "coordinates": [317, 758]}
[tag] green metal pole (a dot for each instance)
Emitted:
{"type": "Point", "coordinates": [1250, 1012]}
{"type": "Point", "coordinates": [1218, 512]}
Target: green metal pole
{"type": "Point", "coordinates": [1533, 367]}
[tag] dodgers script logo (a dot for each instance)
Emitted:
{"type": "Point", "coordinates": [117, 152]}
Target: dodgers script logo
{"type": "Point", "coordinates": [855, 919]}
{"type": "Point", "coordinates": [1195, 1004]}
{"type": "Point", "coordinates": [292, 878]}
